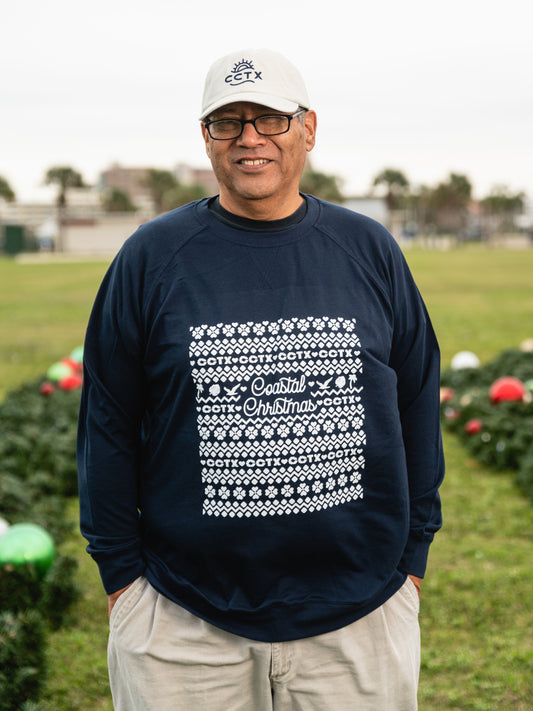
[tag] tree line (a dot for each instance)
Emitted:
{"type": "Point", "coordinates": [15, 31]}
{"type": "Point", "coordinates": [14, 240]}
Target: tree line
{"type": "Point", "coordinates": [442, 208]}
{"type": "Point", "coordinates": [164, 189]}
{"type": "Point", "coordinates": [448, 207]}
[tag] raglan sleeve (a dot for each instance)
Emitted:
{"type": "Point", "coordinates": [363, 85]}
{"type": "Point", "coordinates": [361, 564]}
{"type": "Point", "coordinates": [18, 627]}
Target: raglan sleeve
{"type": "Point", "coordinates": [415, 357]}
{"type": "Point", "coordinates": [109, 428]}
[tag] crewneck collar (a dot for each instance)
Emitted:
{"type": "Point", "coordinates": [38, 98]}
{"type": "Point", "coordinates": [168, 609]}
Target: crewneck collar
{"type": "Point", "coordinates": [259, 238]}
{"type": "Point", "coordinates": [244, 223]}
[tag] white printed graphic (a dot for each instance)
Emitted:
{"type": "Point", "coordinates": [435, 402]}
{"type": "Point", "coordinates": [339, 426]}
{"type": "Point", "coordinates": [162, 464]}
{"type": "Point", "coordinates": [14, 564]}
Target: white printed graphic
{"type": "Point", "coordinates": [280, 415]}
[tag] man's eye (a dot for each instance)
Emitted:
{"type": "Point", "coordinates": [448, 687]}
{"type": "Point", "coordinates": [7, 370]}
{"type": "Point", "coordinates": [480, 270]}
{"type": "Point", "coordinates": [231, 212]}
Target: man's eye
{"type": "Point", "coordinates": [271, 121]}
{"type": "Point", "coordinates": [228, 125]}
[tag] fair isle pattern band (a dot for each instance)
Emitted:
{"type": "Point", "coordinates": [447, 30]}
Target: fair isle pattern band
{"type": "Point", "coordinates": [280, 415]}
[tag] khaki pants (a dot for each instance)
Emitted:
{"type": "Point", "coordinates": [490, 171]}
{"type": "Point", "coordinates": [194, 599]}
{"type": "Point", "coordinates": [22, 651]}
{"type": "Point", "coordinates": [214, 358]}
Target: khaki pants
{"type": "Point", "coordinates": [163, 658]}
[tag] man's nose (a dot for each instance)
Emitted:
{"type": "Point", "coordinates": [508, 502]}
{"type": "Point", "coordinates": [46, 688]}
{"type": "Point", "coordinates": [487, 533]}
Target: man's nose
{"type": "Point", "coordinates": [249, 135]}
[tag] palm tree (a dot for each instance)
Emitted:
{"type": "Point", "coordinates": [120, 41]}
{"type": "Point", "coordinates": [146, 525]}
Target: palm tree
{"type": "Point", "coordinates": [5, 190]}
{"type": "Point", "coordinates": [64, 177]}
{"type": "Point", "coordinates": [159, 182]}
{"type": "Point", "coordinates": [446, 205]}
{"type": "Point", "coordinates": [321, 185]}
{"type": "Point", "coordinates": [501, 207]}
{"type": "Point", "coordinates": [396, 183]}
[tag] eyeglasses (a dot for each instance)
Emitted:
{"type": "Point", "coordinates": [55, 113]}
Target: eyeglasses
{"type": "Point", "coordinates": [267, 125]}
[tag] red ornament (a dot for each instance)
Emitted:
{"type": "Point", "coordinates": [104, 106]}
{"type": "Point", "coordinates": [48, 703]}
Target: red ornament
{"type": "Point", "coordinates": [473, 426]}
{"type": "Point", "coordinates": [47, 389]}
{"type": "Point", "coordinates": [72, 364]}
{"type": "Point", "coordinates": [71, 382]}
{"type": "Point", "coordinates": [507, 389]}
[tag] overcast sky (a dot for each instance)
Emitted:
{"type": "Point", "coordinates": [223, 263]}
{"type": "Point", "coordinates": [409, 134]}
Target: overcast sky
{"type": "Point", "coordinates": [429, 88]}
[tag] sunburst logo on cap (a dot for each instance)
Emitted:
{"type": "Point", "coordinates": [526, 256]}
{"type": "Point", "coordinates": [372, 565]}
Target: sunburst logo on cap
{"type": "Point", "coordinates": [241, 66]}
{"type": "Point", "coordinates": [242, 73]}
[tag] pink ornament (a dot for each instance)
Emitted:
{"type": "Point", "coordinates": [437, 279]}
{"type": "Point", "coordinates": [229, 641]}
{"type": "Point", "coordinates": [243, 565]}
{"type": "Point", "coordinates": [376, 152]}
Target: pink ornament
{"type": "Point", "coordinates": [473, 426]}
{"type": "Point", "coordinates": [446, 394]}
{"type": "Point", "coordinates": [507, 389]}
{"type": "Point", "coordinates": [451, 413]}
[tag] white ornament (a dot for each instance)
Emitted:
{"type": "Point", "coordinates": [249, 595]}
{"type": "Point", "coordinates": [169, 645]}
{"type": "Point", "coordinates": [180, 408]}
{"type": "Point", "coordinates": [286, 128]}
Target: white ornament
{"type": "Point", "coordinates": [3, 526]}
{"type": "Point", "coordinates": [464, 359]}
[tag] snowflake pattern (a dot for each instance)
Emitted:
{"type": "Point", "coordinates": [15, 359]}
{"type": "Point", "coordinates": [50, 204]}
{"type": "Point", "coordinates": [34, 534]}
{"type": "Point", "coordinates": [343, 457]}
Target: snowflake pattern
{"type": "Point", "coordinates": [286, 491]}
{"type": "Point", "coordinates": [267, 431]}
{"type": "Point", "coordinates": [280, 415]}
{"type": "Point", "coordinates": [303, 489]}
{"type": "Point", "coordinates": [284, 430]}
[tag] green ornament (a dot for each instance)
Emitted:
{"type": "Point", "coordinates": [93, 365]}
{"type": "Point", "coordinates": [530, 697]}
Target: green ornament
{"type": "Point", "coordinates": [27, 543]}
{"type": "Point", "coordinates": [77, 354]}
{"type": "Point", "coordinates": [58, 371]}
{"type": "Point", "coordinates": [529, 385]}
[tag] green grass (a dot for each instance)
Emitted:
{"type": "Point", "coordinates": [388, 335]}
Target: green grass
{"type": "Point", "coordinates": [477, 616]}
{"type": "Point", "coordinates": [477, 611]}
{"type": "Point", "coordinates": [43, 314]}
{"type": "Point", "coordinates": [78, 653]}
{"type": "Point", "coordinates": [479, 299]}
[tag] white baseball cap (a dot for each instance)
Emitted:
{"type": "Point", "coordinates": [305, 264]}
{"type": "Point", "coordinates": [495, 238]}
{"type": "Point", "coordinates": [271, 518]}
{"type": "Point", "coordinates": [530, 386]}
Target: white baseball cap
{"type": "Point", "coordinates": [259, 76]}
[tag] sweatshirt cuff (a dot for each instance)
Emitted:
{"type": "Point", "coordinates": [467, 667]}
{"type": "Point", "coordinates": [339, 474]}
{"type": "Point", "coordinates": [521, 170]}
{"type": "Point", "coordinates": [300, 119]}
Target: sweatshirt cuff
{"type": "Point", "coordinates": [414, 558]}
{"type": "Point", "coordinates": [118, 567]}
{"type": "Point", "coordinates": [117, 578]}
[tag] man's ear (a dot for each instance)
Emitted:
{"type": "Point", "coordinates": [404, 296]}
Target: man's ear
{"type": "Point", "coordinates": [310, 122]}
{"type": "Point", "coordinates": [205, 135]}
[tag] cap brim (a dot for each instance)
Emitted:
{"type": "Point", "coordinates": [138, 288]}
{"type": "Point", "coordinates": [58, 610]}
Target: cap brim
{"type": "Point", "coordinates": [254, 97]}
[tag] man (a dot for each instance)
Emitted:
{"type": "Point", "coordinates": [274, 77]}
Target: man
{"type": "Point", "coordinates": [259, 444]}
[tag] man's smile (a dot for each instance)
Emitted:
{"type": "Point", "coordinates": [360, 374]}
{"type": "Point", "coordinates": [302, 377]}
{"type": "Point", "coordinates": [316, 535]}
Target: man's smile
{"type": "Point", "coordinates": [253, 161]}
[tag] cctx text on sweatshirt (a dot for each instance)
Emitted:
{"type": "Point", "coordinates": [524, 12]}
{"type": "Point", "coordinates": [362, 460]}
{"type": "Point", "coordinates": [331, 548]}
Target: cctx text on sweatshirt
{"type": "Point", "coordinates": [259, 430]}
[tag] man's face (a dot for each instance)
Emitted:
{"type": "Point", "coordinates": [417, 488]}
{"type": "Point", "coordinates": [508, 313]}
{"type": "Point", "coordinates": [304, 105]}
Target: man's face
{"type": "Point", "coordinates": [259, 176]}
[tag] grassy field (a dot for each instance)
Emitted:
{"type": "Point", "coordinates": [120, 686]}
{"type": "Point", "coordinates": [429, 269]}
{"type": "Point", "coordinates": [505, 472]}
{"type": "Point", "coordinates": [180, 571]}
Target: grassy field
{"type": "Point", "coordinates": [477, 609]}
{"type": "Point", "coordinates": [43, 313]}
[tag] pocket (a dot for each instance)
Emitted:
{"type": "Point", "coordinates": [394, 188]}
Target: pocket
{"type": "Point", "coordinates": [409, 593]}
{"type": "Point", "coordinates": [123, 599]}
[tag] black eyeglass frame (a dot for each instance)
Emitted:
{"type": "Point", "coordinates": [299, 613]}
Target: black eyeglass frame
{"type": "Point", "coordinates": [289, 117]}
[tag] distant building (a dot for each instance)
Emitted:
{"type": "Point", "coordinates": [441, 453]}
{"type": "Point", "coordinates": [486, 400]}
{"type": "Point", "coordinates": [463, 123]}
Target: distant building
{"type": "Point", "coordinates": [374, 207]}
{"type": "Point", "coordinates": [131, 181]}
{"type": "Point", "coordinates": [102, 236]}
{"type": "Point", "coordinates": [81, 203]}
{"type": "Point", "coordinates": [197, 176]}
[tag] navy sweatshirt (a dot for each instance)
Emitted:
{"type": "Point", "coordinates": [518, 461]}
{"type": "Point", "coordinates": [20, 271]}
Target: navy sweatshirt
{"type": "Point", "coordinates": [259, 430]}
